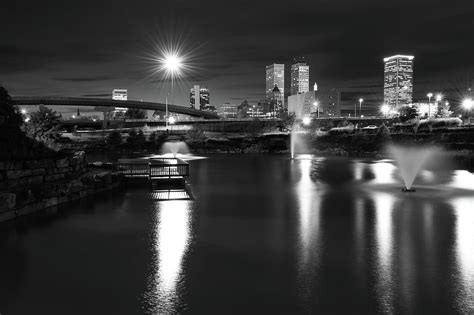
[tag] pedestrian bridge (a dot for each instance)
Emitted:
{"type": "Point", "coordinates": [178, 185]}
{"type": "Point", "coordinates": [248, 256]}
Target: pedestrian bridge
{"type": "Point", "coordinates": [102, 102]}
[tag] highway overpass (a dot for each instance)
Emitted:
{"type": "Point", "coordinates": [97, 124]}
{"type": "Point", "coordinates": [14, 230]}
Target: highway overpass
{"type": "Point", "coordinates": [102, 102]}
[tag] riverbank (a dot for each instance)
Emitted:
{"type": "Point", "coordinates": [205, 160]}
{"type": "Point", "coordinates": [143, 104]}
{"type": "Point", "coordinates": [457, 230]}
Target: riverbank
{"type": "Point", "coordinates": [35, 185]}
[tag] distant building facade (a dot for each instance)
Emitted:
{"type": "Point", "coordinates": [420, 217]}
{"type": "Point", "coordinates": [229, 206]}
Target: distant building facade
{"type": "Point", "coordinates": [227, 110]}
{"type": "Point", "coordinates": [199, 99]}
{"type": "Point", "coordinates": [119, 95]}
{"type": "Point", "coordinates": [275, 75]}
{"type": "Point", "coordinates": [426, 109]}
{"type": "Point", "coordinates": [326, 102]}
{"type": "Point", "coordinates": [398, 81]}
{"type": "Point", "coordinates": [299, 77]}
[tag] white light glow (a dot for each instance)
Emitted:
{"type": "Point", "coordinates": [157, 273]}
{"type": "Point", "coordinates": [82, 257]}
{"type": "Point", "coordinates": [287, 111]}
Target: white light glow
{"type": "Point", "coordinates": [465, 250]}
{"type": "Point", "coordinates": [171, 120]}
{"type": "Point", "coordinates": [306, 121]}
{"type": "Point", "coordinates": [384, 109]}
{"type": "Point", "coordinates": [439, 97]}
{"type": "Point", "coordinates": [171, 237]}
{"type": "Point", "coordinates": [467, 104]}
{"type": "Point", "coordinates": [23, 111]}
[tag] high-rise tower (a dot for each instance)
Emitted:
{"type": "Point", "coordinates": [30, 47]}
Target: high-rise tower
{"type": "Point", "coordinates": [299, 76]}
{"type": "Point", "coordinates": [398, 81]}
{"type": "Point", "coordinates": [275, 75]}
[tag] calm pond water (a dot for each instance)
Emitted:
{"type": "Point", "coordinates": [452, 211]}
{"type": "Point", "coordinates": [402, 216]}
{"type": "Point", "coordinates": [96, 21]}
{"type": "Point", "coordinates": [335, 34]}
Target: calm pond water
{"type": "Point", "coordinates": [263, 235]}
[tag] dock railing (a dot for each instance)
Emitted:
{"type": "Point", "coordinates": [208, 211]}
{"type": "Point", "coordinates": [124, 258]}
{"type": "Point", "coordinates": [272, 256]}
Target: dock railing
{"type": "Point", "coordinates": [154, 168]}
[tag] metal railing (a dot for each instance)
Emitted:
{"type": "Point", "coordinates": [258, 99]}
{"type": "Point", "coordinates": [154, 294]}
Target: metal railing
{"type": "Point", "coordinates": [154, 168]}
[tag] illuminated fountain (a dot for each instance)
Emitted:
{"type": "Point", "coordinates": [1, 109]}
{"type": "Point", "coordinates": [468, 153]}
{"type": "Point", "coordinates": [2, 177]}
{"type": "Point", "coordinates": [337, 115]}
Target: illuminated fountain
{"type": "Point", "coordinates": [174, 148]}
{"type": "Point", "coordinates": [410, 160]}
{"type": "Point", "coordinates": [296, 130]}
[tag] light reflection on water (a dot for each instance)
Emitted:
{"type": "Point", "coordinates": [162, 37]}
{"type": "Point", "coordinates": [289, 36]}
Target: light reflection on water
{"type": "Point", "coordinates": [464, 211]}
{"type": "Point", "coordinates": [384, 204]}
{"type": "Point", "coordinates": [171, 240]}
{"type": "Point", "coordinates": [309, 200]}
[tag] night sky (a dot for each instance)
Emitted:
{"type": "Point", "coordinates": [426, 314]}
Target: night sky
{"type": "Point", "coordinates": [87, 48]}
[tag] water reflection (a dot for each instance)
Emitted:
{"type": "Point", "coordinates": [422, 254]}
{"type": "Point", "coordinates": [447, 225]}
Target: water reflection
{"type": "Point", "coordinates": [384, 204]}
{"type": "Point", "coordinates": [171, 240]}
{"type": "Point", "coordinates": [309, 200]}
{"type": "Point", "coordinates": [464, 211]}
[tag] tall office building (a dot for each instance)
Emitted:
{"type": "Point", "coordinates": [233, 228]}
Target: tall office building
{"type": "Point", "coordinates": [398, 81]}
{"type": "Point", "coordinates": [199, 98]}
{"type": "Point", "coordinates": [275, 75]}
{"type": "Point", "coordinates": [299, 76]}
{"type": "Point", "coordinates": [195, 97]}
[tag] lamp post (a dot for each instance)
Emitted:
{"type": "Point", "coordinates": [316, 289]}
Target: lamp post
{"type": "Point", "coordinates": [316, 103]}
{"type": "Point", "coordinates": [430, 95]}
{"type": "Point", "coordinates": [360, 106]}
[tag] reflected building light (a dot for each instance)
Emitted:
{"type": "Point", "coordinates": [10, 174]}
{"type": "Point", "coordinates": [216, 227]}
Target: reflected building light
{"type": "Point", "coordinates": [462, 179]}
{"type": "Point", "coordinates": [383, 173]}
{"type": "Point", "coordinates": [171, 243]}
{"type": "Point", "coordinates": [358, 169]}
{"type": "Point", "coordinates": [309, 225]}
{"type": "Point", "coordinates": [427, 176]}
{"type": "Point", "coordinates": [464, 212]}
{"type": "Point", "coordinates": [384, 204]}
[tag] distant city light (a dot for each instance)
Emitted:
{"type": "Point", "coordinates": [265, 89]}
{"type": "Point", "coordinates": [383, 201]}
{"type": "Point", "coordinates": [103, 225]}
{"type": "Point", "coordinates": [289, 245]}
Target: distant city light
{"type": "Point", "coordinates": [429, 95]}
{"type": "Point", "coordinates": [27, 119]}
{"type": "Point", "coordinates": [306, 120]}
{"type": "Point", "coordinates": [439, 97]}
{"type": "Point", "coordinates": [23, 111]}
{"type": "Point", "coordinates": [468, 104]}
{"type": "Point", "coordinates": [171, 120]}
{"type": "Point", "coordinates": [361, 100]}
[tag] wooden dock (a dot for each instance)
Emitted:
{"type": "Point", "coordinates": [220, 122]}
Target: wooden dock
{"type": "Point", "coordinates": [166, 176]}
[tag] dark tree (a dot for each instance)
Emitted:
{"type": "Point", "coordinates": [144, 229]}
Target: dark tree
{"type": "Point", "coordinates": [132, 136]}
{"type": "Point", "coordinates": [135, 113]}
{"type": "Point", "coordinates": [44, 126]}
{"type": "Point", "coordinates": [407, 113]}
{"type": "Point", "coordinates": [242, 109]}
{"type": "Point", "coordinates": [10, 118]}
{"type": "Point", "coordinates": [140, 139]}
{"type": "Point", "coordinates": [152, 138]}
{"type": "Point", "coordinates": [114, 139]}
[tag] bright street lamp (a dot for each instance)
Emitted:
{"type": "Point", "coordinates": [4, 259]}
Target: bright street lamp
{"type": "Point", "coordinates": [385, 109]}
{"type": "Point", "coordinates": [23, 111]}
{"type": "Point", "coordinates": [306, 120]}
{"type": "Point", "coordinates": [467, 104]}
{"type": "Point", "coordinates": [171, 64]}
{"type": "Point", "coordinates": [439, 97]}
{"type": "Point", "coordinates": [360, 106]}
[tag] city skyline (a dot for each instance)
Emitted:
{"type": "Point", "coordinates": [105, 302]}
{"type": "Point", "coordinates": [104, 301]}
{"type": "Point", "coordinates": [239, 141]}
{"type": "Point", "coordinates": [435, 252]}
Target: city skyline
{"type": "Point", "coordinates": [64, 56]}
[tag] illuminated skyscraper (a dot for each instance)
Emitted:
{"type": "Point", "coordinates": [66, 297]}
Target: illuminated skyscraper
{"type": "Point", "coordinates": [299, 76]}
{"type": "Point", "coordinates": [199, 98]}
{"type": "Point", "coordinates": [275, 76]}
{"type": "Point", "coordinates": [398, 80]}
